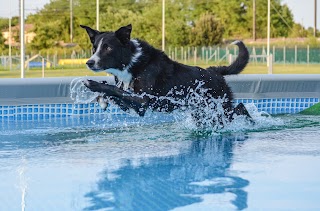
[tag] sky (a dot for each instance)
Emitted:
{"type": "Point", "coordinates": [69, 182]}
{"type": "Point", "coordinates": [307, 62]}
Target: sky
{"type": "Point", "coordinates": [302, 9]}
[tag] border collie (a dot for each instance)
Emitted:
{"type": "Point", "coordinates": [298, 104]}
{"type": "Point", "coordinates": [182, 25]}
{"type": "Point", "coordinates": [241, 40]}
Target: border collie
{"type": "Point", "coordinates": [147, 78]}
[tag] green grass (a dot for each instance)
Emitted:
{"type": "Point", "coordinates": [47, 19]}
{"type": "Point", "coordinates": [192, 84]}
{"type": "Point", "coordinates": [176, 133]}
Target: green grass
{"type": "Point", "coordinates": [283, 69]}
{"type": "Point", "coordinates": [61, 72]}
{"type": "Point", "coordinates": [313, 110]}
{"type": "Point", "coordinates": [251, 69]}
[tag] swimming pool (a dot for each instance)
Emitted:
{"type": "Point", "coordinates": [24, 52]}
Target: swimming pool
{"type": "Point", "coordinates": [123, 162]}
{"type": "Point", "coordinates": [60, 151]}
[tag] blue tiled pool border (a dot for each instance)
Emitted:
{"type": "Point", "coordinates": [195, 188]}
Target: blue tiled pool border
{"type": "Point", "coordinates": [47, 111]}
{"type": "Point", "coordinates": [281, 105]}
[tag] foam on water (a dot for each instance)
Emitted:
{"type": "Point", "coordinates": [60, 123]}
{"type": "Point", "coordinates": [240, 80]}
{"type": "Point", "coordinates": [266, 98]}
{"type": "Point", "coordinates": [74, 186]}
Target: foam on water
{"type": "Point", "coordinates": [262, 120]}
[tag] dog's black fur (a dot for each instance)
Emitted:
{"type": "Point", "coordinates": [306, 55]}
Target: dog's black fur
{"type": "Point", "coordinates": [155, 81]}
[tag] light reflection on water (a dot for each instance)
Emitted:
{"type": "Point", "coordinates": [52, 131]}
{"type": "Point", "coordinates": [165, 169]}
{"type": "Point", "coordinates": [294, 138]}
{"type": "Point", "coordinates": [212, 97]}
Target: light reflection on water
{"type": "Point", "coordinates": [129, 163]}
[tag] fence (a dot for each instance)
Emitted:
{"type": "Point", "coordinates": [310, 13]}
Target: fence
{"type": "Point", "coordinates": [281, 55]}
{"type": "Point", "coordinates": [187, 55]}
{"type": "Point", "coordinates": [52, 60]}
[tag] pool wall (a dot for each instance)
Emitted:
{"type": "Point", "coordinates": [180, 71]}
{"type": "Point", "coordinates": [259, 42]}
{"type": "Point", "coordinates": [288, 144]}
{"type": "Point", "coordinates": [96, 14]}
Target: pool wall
{"type": "Point", "coordinates": [45, 98]}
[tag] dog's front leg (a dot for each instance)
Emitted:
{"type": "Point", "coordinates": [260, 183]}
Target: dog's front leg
{"type": "Point", "coordinates": [119, 103]}
{"type": "Point", "coordinates": [136, 102]}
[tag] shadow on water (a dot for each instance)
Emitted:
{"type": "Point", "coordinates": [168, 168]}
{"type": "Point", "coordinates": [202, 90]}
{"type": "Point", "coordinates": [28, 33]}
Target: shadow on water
{"type": "Point", "coordinates": [165, 183]}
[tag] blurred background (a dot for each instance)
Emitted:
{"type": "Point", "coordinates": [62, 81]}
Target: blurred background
{"type": "Point", "coordinates": [195, 32]}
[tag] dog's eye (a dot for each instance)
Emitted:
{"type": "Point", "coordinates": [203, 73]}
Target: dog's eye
{"type": "Point", "coordinates": [93, 50]}
{"type": "Point", "coordinates": [108, 49]}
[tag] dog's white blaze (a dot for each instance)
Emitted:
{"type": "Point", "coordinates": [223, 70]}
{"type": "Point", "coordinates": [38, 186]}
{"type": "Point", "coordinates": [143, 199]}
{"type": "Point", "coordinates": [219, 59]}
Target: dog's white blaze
{"type": "Point", "coordinates": [96, 58]}
{"type": "Point", "coordinates": [124, 75]}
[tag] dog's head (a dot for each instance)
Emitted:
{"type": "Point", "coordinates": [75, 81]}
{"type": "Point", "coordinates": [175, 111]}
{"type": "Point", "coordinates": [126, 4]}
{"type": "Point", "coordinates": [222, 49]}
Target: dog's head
{"type": "Point", "coordinates": [111, 50]}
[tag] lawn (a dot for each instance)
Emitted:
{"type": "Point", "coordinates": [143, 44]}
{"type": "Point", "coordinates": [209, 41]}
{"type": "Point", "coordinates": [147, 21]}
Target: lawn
{"type": "Point", "coordinates": [61, 72]}
{"type": "Point", "coordinates": [283, 69]}
{"type": "Point", "coordinates": [251, 69]}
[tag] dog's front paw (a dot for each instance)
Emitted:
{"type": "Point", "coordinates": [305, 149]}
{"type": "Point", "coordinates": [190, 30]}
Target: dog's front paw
{"type": "Point", "coordinates": [92, 85]}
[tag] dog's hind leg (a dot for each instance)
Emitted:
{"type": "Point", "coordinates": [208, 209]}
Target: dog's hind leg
{"type": "Point", "coordinates": [240, 109]}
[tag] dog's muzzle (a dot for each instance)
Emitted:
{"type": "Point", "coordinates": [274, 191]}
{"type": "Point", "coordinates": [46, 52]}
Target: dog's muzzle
{"type": "Point", "coordinates": [90, 63]}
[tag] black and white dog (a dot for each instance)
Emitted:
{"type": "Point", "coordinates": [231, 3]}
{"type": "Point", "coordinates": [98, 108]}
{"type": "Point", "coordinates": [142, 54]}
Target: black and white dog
{"type": "Point", "coordinates": [147, 78]}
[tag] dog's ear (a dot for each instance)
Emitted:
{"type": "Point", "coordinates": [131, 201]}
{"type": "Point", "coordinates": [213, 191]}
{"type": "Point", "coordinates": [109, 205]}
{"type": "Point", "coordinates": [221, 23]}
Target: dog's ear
{"type": "Point", "coordinates": [123, 34]}
{"type": "Point", "coordinates": [91, 32]}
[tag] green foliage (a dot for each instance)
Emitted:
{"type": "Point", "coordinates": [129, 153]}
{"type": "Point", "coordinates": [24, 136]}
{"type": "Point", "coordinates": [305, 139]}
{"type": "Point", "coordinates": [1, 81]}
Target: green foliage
{"type": "Point", "coordinates": [281, 18]}
{"type": "Point", "coordinates": [207, 31]}
{"type": "Point", "coordinates": [4, 22]}
{"type": "Point", "coordinates": [177, 28]}
{"type": "Point", "coordinates": [46, 35]}
{"type": "Point", "coordinates": [312, 42]}
{"type": "Point", "coordinates": [298, 31]}
{"type": "Point", "coordinates": [4, 25]}
{"type": "Point", "coordinates": [49, 31]}
{"type": "Point", "coordinates": [232, 15]}
{"type": "Point", "coordinates": [2, 45]}
{"type": "Point", "coordinates": [188, 22]}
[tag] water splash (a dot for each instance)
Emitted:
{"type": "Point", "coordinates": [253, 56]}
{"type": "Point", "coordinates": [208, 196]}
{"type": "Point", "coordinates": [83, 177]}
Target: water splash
{"type": "Point", "coordinates": [79, 93]}
{"type": "Point", "coordinates": [199, 110]}
{"type": "Point", "coordinates": [197, 107]}
{"type": "Point", "coordinates": [262, 121]}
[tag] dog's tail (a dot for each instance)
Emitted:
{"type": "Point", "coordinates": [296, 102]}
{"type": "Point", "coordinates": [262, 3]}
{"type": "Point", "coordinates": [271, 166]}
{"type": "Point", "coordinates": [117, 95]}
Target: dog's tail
{"type": "Point", "coordinates": [239, 64]}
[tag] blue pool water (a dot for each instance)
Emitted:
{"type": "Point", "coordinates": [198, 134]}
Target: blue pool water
{"type": "Point", "coordinates": [120, 162]}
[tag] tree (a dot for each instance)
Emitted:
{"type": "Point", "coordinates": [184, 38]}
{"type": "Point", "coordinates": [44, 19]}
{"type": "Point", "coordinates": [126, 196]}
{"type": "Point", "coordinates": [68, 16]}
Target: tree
{"type": "Point", "coordinates": [46, 35]}
{"type": "Point", "coordinates": [281, 19]}
{"type": "Point", "coordinates": [207, 31]}
{"type": "Point", "coordinates": [178, 27]}
{"type": "Point", "coordinates": [4, 22]}
{"type": "Point", "coordinates": [4, 25]}
{"type": "Point", "coordinates": [2, 45]}
{"type": "Point", "coordinates": [111, 18]}
{"type": "Point", "coordinates": [233, 17]}
{"type": "Point", "coordinates": [50, 31]}
{"type": "Point", "coordinates": [298, 31]}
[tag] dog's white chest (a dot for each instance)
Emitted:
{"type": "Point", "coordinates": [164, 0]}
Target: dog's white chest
{"type": "Point", "coordinates": [123, 75]}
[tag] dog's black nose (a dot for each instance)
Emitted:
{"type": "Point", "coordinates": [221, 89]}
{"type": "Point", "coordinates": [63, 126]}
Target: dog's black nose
{"type": "Point", "coordinates": [90, 63]}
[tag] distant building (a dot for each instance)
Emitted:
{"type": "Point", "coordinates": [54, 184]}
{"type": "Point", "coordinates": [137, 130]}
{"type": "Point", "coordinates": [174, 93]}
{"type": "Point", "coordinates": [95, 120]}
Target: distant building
{"type": "Point", "coordinates": [15, 32]}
